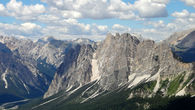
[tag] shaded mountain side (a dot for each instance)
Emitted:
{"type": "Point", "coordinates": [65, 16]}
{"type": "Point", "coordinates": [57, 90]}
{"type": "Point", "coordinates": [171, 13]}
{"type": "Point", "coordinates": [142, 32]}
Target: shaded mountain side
{"type": "Point", "coordinates": [184, 50]}
{"type": "Point", "coordinates": [185, 55]}
{"type": "Point", "coordinates": [188, 41]}
{"type": "Point", "coordinates": [17, 81]}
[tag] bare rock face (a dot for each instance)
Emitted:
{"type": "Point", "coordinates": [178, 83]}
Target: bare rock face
{"type": "Point", "coordinates": [28, 67]}
{"type": "Point", "coordinates": [75, 71]}
{"type": "Point", "coordinates": [52, 50]}
{"type": "Point", "coordinates": [117, 61]}
{"type": "Point", "coordinates": [114, 59]}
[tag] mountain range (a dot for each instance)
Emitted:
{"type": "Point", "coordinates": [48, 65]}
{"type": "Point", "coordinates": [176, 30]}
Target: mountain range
{"type": "Point", "coordinates": [121, 72]}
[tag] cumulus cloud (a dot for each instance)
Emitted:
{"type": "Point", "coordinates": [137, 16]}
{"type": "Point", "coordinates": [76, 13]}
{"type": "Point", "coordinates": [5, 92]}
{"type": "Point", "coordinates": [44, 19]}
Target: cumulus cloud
{"type": "Point", "coordinates": [189, 2]}
{"type": "Point", "coordinates": [102, 9]}
{"type": "Point", "coordinates": [182, 14]}
{"type": "Point", "coordinates": [95, 9]}
{"type": "Point", "coordinates": [59, 28]}
{"type": "Point", "coordinates": [184, 20]}
{"type": "Point", "coordinates": [2, 10]}
{"type": "Point", "coordinates": [159, 30]}
{"type": "Point", "coordinates": [29, 27]}
{"type": "Point", "coordinates": [151, 8]}
{"type": "Point", "coordinates": [60, 18]}
{"type": "Point", "coordinates": [161, 1]}
{"type": "Point", "coordinates": [153, 33]}
{"type": "Point", "coordinates": [24, 29]}
{"type": "Point", "coordinates": [117, 28]}
{"type": "Point", "coordinates": [18, 10]}
{"type": "Point", "coordinates": [73, 27]}
{"type": "Point", "coordinates": [156, 24]}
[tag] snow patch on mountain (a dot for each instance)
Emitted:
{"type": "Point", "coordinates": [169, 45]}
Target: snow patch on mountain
{"type": "Point", "coordinates": [3, 77]}
{"type": "Point", "coordinates": [25, 87]}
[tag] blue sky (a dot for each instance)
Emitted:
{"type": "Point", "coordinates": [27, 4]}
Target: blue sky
{"type": "Point", "coordinates": [69, 19]}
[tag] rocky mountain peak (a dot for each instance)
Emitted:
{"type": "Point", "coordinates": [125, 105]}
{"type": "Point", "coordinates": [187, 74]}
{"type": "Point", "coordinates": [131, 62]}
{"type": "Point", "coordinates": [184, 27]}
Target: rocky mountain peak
{"type": "Point", "coordinates": [119, 60]}
{"type": "Point", "coordinates": [83, 70]}
{"type": "Point", "coordinates": [83, 41]}
{"type": "Point", "coordinates": [75, 71]}
{"type": "Point", "coordinates": [45, 39]}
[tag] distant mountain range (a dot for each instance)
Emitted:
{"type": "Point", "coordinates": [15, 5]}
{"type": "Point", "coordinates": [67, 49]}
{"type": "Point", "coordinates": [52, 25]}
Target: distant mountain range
{"type": "Point", "coordinates": [121, 72]}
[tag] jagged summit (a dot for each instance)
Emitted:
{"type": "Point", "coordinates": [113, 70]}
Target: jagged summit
{"type": "Point", "coordinates": [45, 39]}
{"type": "Point", "coordinates": [119, 60]}
{"type": "Point", "coordinates": [125, 35]}
{"type": "Point", "coordinates": [83, 41]}
{"type": "Point", "coordinates": [83, 70]}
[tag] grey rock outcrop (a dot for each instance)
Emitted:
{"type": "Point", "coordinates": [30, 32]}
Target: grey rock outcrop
{"type": "Point", "coordinates": [114, 59]}
{"type": "Point", "coordinates": [29, 66]}
{"type": "Point", "coordinates": [119, 60]}
{"type": "Point", "coordinates": [75, 71]}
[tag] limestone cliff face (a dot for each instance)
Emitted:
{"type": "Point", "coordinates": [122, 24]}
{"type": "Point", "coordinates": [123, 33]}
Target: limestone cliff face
{"type": "Point", "coordinates": [114, 58]}
{"type": "Point", "coordinates": [75, 71]}
{"type": "Point", "coordinates": [120, 60]}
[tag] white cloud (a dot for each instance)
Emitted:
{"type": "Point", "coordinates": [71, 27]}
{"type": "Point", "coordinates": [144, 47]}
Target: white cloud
{"type": "Point", "coordinates": [182, 14]}
{"type": "Point", "coordinates": [59, 18]}
{"type": "Point", "coordinates": [71, 28]}
{"type": "Point", "coordinates": [183, 20]}
{"type": "Point", "coordinates": [25, 29]}
{"type": "Point", "coordinates": [102, 9]}
{"type": "Point", "coordinates": [154, 34]}
{"type": "Point", "coordinates": [73, 14]}
{"type": "Point", "coordinates": [151, 8]}
{"type": "Point", "coordinates": [95, 9]}
{"type": "Point", "coordinates": [159, 30]}
{"type": "Point", "coordinates": [25, 12]}
{"type": "Point", "coordinates": [161, 1]}
{"type": "Point", "coordinates": [2, 10]}
{"type": "Point", "coordinates": [58, 28]}
{"type": "Point", "coordinates": [189, 2]}
{"type": "Point", "coordinates": [156, 24]}
{"type": "Point", "coordinates": [29, 27]}
{"type": "Point", "coordinates": [47, 18]}
{"type": "Point", "coordinates": [102, 28]}
{"type": "Point", "coordinates": [117, 28]}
